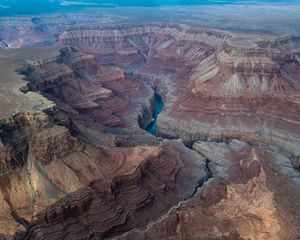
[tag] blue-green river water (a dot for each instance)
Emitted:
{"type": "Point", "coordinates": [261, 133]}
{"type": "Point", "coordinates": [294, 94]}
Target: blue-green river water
{"type": "Point", "coordinates": [152, 127]}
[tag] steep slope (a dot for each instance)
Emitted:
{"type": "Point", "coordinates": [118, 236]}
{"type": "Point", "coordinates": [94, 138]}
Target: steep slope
{"type": "Point", "coordinates": [212, 87]}
{"type": "Point", "coordinates": [250, 197]}
{"type": "Point", "coordinates": [82, 167]}
{"type": "Point", "coordinates": [59, 164]}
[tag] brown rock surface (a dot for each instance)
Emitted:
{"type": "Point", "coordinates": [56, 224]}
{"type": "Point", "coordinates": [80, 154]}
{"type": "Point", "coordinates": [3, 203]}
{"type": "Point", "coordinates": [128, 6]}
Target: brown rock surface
{"type": "Point", "coordinates": [211, 87]}
{"type": "Point", "coordinates": [61, 171]}
{"type": "Point", "coordinates": [76, 164]}
{"type": "Point", "coordinates": [137, 187]}
{"type": "Point", "coordinates": [244, 201]}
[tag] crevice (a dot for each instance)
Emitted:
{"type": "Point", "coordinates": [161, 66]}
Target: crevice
{"type": "Point", "coordinates": [209, 175]}
{"type": "Point", "coordinates": [199, 185]}
{"type": "Point", "coordinates": [19, 219]}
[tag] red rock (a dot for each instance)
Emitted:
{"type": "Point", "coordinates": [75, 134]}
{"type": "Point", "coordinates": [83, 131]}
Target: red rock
{"type": "Point", "coordinates": [84, 168]}
{"type": "Point", "coordinates": [211, 88]}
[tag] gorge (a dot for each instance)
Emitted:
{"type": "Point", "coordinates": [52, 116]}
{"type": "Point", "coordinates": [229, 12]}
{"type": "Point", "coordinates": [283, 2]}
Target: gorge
{"type": "Point", "coordinates": [153, 130]}
{"type": "Point", "coordinates": [152, 126]}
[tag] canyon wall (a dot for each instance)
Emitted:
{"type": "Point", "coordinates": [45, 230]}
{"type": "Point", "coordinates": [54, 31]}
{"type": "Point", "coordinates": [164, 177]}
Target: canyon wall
{"type": "Point", "coordinates": [212, 89]}
{"type": "Point", "coordinates": [58, 165]}
{"type": "Point", "coordinates": [84, 168]}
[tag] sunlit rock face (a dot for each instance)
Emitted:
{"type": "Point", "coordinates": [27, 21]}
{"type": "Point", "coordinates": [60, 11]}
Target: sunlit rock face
{"type": "Point", "coordinates": [84, 168]}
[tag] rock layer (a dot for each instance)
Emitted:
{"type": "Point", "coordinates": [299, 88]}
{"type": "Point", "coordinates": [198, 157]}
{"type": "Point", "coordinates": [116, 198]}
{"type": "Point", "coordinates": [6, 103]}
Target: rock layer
{"type": "Point", "coordinates": [63, 163]}
{"type": "Point", "coordinates": [244, 200]}
{"type": "Point", "coordinates": [124, 200]}
{"type": "Point", "coordinates": [27, 31]}
{"type": "Point", "coordinates": [212, 89]}
{"type": "Point", "coordinates": [84, 168]}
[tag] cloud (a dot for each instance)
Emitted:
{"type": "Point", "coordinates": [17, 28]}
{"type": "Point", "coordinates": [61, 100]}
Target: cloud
{"type": "Point", "coordinates": [4, 6]}
{"type": "Point", "coordinates": [72, 3]}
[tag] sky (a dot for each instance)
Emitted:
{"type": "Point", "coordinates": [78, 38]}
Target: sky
{"type": "Point", "coordinates": [28, 7]}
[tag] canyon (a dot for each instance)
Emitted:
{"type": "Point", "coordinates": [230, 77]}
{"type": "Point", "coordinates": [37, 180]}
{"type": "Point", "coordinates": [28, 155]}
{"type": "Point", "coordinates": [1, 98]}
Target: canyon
{"type": "Point", "coordinates": [149, 131]}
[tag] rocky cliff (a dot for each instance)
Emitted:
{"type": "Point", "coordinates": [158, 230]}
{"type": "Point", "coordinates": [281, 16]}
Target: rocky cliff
{"type": "Point", "coordinates": [61, 163]}
{"type": "Point", "coordinates": [131, 195]}
{"type": "Point", "coordinates": [45, 165]}
{"type": "Point", "coordinates": [212, 88]}
{"type": "Point", "coordinates": [243, 201]}
{"type": "Point", "coordinates": [84, 168]}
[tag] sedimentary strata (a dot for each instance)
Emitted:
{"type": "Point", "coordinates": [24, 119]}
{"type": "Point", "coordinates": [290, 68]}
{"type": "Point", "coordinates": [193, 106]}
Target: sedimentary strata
{"type": "Point", "coordinates": [212, 89]}
{"type": "Point", "coordinates": [245, 200]}
{"type": "Point", "coordinates": [80, 166]}
{"type": "Point", "coordinates": [42, 30]}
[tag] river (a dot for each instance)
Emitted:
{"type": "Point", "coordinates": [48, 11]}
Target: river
{"type": "Point", "coordinates": [152, 127]}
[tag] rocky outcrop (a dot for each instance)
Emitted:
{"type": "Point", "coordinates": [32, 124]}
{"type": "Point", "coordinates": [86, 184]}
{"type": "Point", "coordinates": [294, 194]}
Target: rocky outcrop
{"type": "Point", "coordinates": [106, 94]}
{"type": "Point", "coordinates": [245, 200]}
{"type": "Point", "coordinates": [66, 75]}
{"type": "Point", "coordinates": [49, 142]}
{"type": "Point", "coordinates": [124, 200]}
{"type": "Point", "coordinates": [30, 142]}
{"type": "Point", "coordinates": [211, 88]}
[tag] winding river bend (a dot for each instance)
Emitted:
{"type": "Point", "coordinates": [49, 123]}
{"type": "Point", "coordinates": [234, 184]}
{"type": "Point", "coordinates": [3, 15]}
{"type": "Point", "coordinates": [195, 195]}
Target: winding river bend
{"type": "Point", "coordinates": [152, 127]}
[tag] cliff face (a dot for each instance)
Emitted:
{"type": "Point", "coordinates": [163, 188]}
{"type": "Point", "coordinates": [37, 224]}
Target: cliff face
{"type": "Point", "coordinates": [27, 31]}
{"type": "Point", "coordinates": [245, 200]}
{"type": "Point", "coordinates": [31, 144]}
{"type": "Point", "coordinates": [128, 197]}
{"type": "Point", "coordinates": [84, 168]}
{"type": "Point", "coordinates": [213, 88]}
{"type": "Point", "coordinates": [132, 45]}
{"type": "Point", "coordinates": [111, 190]}
{"type": "Point", "coordinates": [249, 71]}
{"type": "Point", "coordinates": [50, 141]}
{"type": "Point", "coordinates": [62, 163]}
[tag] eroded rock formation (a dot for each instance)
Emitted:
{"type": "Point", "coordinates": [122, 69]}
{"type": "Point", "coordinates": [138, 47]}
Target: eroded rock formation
{"type": "Point", "coordinates": [244, 200]}
{"type": "Point", "coordinates": [212, 89]}
{"type": "Point", "coordinates": [66, 156]}
{"type": "Point", "coordinates": [84, 168]}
